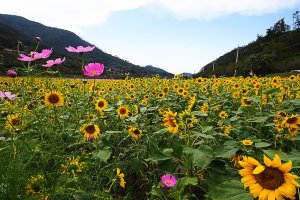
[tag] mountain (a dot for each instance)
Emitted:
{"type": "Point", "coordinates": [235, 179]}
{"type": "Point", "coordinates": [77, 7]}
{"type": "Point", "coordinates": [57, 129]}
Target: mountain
{"type": "Point", "coordinates": [22, 29]}
{"type": "Point", "coordinates": [276, 52]}
{"type": "Point", "coordinates": [158, 71]}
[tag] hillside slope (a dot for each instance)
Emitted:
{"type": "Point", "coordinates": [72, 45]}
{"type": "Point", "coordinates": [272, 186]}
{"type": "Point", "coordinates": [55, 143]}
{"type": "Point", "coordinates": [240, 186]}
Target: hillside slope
{"type": "Point", "coordinates": [274, 53]}
{"type": "Point", "coordinates": [58, 39]}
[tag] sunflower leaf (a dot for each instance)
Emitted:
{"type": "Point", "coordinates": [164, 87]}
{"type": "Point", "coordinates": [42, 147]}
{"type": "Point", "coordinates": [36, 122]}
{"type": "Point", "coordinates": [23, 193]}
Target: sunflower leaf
{"type": "Point", "coordinates": [229, 190]}
{"type": "Point", "coordinates": [102, 155]}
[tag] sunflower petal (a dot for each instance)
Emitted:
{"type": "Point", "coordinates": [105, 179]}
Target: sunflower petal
{"type": "Point", "coordinates": [267, 161]}
{"type": "Point", "coordinates": [258, 169]}
{"type": "Point", "coordinates": [253, 161]}
{"type": "Point", "coordinates": [264, 194]}
{"type": "Point", "coordinates": [255, 190]}
{"type": "Point", "coordinates": [276, 161]}
{"type": "Point", "coordinates": [286, 167]}
{"type": "Point", "coordinates": [271, 195]}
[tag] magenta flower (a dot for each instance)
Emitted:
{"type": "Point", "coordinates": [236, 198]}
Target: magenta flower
{"type": "Point", "coordinates": [57, 61]}
{"type": "Point", "coordinates": [7, 95]}
{"type": "Point", "coordinates": [35, 55]}
{"type": "Point", "coordinates": [11, 73]}
{"type": "Point", "coordinates": [168, 180]}
{"type": "Point", "coordinates": [93, 69]}
{"type": "Point", "coordinates": [80, 49]}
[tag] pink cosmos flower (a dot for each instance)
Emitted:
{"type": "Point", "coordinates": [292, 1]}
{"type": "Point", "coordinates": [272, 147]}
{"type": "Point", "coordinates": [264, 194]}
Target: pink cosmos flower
{"type": "Point", "coordinates": [168, 180]}
{"type": "Point", "coordinates": [57, 61]}
{"type": "Point", "coordinates": [93, 69]}
{"type": "Point", "coordinates": [7, 95]}
{"type": "Point", "coordinates": [80, 49]}
{"type": "Point", "coordinates": [35, 55]}
{"type": "Point", "coordinates": [11, 73]}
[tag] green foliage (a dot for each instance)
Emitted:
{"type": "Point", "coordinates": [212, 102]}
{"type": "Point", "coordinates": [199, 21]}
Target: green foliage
{"type": "Point", "coordinates": [277, 52]}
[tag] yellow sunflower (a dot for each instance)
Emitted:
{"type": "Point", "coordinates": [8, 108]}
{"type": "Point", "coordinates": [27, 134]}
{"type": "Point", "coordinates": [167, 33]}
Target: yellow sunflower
{"type": "Point", "coordinates": [121, 178]}
{"type": "Point", "coordinates": [91, 131]}
{"type": "Point", "coordinates": [269, 181]}
{"type": "Point", "coordinates": [223, 114]}
{"type": "Point", "coordinates": [14, 121]}
{"type": "Point", "coordinates": [101, 104]}
{"type": "Point", "coordinates": [123, 111]}
{"type": "Point", "coordinates": [246, 102]}
{"type": "Point", "coordinates": [247, 142]}
{"type": "Point", "coordinates": [291, 122]}
{"type": "Point", "coordinates": [135, 133]}
{"type": "Point", "coordinates": [170, 121]}
{"type": "Point", "coordinates": [204, 108]}
{"type": "Point", "coordinates": [54, 98]}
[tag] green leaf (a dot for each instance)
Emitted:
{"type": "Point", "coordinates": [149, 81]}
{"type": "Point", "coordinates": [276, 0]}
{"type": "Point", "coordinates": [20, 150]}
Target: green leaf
{"type": "Point", "coordinates": [199, 113]}
{"type": "Point", "coordinates": [271, 154]}
{"type": "Point", "coordinates": [157, 192]}
{"type": "Point", "coordinates": [226, 152]}
{"type": "Point", "coordinates": [183, 182]}
{"type": "Point", "coordinates": [294, 156]}
{"type": "Point", "coordinates": [81, 195]}
{"type": "Point", "coordinates": [143, 109]}
{"type": "Point", "coordinates": [234, 118]}
{"type": "Point", "coordinates": [102, 155]}
{"type": "Point", "coordinates": [258, 119]}
{"type": "Point", "coordinates": [157, 155]}
{"type": "Point", "coordinates": [229, 190]}
{"type": "Point", "coordinates": [200, 158]}
{"type": "Point", "coordinates": [164, 130]}
{"type": "Point", "coordinates": [203, 135]}
{"type": "Point", "coordinates": [272, 91]}
{"type": "Point", "coordinates": [206, 129]}
{"type": "Point", "coordinates": [262, 144]}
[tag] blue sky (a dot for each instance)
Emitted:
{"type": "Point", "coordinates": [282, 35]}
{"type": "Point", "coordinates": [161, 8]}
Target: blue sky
{"type": "Point", "coordinates": [177, 36]}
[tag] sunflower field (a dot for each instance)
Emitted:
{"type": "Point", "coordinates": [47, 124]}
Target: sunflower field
{"type": "Point", "coordinates": [230, 138]}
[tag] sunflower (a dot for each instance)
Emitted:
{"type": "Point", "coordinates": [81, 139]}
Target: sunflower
{"type": "Point", "coordinates": [101, 104]}
{"type": "Point", "coordinates": [135, 133]}
{"type": "Point", "coordinates": [91, 131]}
{"type": "Point", "coordinates": [170, 121]}
{"type": "Point", "coordinates": [227, 130]}
{"type": "Point", "coordinates": [72, 166]}
{"type": "Point", "coordinates": [291, 122]}
{"type": "Point", "coordinates": [236, 94]}
{"type": "Point", "coordinates": [54, 99]}
{"type": "Point", "coordinates": [246, 102]}
{"type": "Point", "coordinates": [123, 111]}
{"type": "Point", "coordinates": [14, 122]}
{"type": "Point", "coordinates": [121, 178]}
{"type": "Point", "coordinates": [204, 108]}
{"type": "Point", "coordinates": [35, 184]}
{"type": "Point", "coordinates": [269, 181]}
{"type": "Point", "coordinates": [223, 115]}
{"type": "Point", "coordinates": [247, 142]}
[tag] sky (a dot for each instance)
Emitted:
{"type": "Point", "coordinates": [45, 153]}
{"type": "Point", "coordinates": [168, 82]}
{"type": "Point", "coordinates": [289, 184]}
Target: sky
{"type": "Point", "coordinates": [174, 35]}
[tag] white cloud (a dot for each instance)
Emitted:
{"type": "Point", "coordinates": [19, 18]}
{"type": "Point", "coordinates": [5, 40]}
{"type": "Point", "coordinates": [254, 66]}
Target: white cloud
{"type": "Point", "coordinates": [70, 15]}
{"type": "Point", "coordinates": [76, 14]}
{"type": "Point", "coordinates": [211, 9]}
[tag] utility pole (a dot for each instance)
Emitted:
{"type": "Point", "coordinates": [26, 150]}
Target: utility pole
{"type": "Point", "coordinates": [237, 54]}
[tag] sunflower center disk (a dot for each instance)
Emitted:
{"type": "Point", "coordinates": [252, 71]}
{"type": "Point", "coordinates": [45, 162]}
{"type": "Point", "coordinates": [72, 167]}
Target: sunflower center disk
{"type": "Point", "coordinates": [90, 129]}
{"type": "Point", "coordinates": [270, 178]}
{"type": "Point", "coordinates": [136, 132]}
{"type": "Point", "coordinates": [101, 104]}
{"type": "Point", "coordinates": [291, 120]}
{"type": "Point", "coordinates": [123, 111]}
{"type": "Point", "coordinates": [15, 122]}
{"type": "Point", "coordinates": [53, 98]}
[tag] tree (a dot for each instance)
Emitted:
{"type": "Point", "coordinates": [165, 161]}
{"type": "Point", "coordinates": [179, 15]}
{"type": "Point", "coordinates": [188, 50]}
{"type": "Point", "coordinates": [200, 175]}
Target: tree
{"type": "Point", "coordinates": [279, 27]}
{"type": "Point", "coordinates": [296, 20]}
